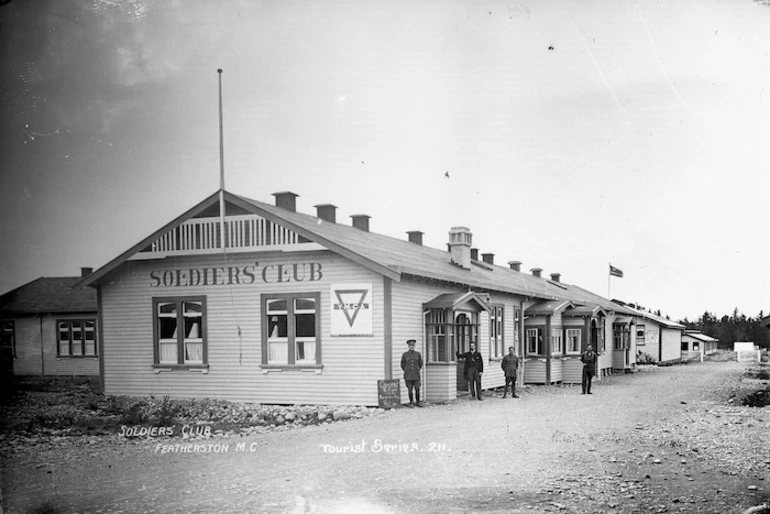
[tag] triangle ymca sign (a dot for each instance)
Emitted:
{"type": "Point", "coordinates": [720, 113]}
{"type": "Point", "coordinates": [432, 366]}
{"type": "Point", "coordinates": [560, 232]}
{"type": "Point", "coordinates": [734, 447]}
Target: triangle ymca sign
{"type": "Point", "coordinates": [351, 309]}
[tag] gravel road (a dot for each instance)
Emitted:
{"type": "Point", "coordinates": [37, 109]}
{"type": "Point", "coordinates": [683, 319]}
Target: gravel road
{"type": "Point", "coordinates": [661, 440]}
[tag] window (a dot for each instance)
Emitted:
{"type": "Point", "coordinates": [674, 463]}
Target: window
{"type": "Point", "coordinates": [621, 336]}
{"type": "Point", "coordinates": [640, 338]}
{"type": "Point", "coordinates": [180, 331]}
{"type": "Point", "coordinates": [76, 338]}
{"type": "Point", "coordinates": [292, 329]}
{"type": "Point", "coordinates": [516, 328]}
{"type": "Point", "coordinates": [602, 346]}
{"type": "Point", "coordinates": [574, 336]}
{"type": "Point", "coordinates": [685, 346]}
{"type": "Point", "coordinates": [534, 341]}
{"type": "Point", "coordinates": [556, 347]}
{"type": "Point", "coordinates": [8, 339]}
{"type": "Point", "coordinates": [496, 332]}
{"type": "Point", "coordinates": [695, 346]}
{"type": "Point", "coordinates": [449, 332]}
{"type": "Point", "coordinates": [438, 337]}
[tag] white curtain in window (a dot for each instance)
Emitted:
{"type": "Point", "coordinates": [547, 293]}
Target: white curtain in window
{"type": "Point", "coordinates": [305, 351]}
{"type": "Point", "coordinates": [278, 352]}
{"type": "Point", "coordinates": [193, 352]}
{"type": "Point", "coordinates": [168, 352]}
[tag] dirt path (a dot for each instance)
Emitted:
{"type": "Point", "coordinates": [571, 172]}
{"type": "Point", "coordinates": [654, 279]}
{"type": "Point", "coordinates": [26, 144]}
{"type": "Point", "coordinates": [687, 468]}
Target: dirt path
{"type": "Point", "coordinates": [664, 440]}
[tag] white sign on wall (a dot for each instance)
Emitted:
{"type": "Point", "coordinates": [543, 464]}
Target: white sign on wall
{"type": "Point", "coordinates": [351, 313]}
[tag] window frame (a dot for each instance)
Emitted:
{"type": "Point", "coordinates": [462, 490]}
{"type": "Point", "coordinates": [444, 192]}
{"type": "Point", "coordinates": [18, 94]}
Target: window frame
{"type": "Point", "coordinates": [578, 350]}
{"type": "Point", "coordinates": [621, 336]}
{"type": "Point", "coordinates": [180, 336]}
{"type": "Point", "coordinates": [449, 331]}
{"type": "Point", "coordinates": [71, 342]}
{"type": "Point", "coordinates": [641, 341]}
{"type": "Point", "coordinates": [539, 346]}
{"type": "Point", "coordinates": [557, 340]}
{"type": "Point", "coordinates": [497, 332]}
{"type": "Point", "coordinates": [291, 337]}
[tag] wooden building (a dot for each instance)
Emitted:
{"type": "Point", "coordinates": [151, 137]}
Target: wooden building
{"type": "Point", "coordinates": [696, 345]}
{"type": "Point", "coordinates": [47, 328]}
{"type": "Point", "coordinates": [655, 338]}
{"type": "Point", "coordinates": [246, 300]}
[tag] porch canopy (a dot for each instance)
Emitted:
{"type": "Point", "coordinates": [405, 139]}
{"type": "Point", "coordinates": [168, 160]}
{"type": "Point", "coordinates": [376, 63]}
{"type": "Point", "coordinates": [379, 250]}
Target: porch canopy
{"type": "Point", "coordinates": [458, 300]}
{"type": "Point", "coordinates": [585, 311]}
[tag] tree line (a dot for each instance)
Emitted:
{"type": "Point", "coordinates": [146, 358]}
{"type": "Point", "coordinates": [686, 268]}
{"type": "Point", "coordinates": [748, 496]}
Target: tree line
{"type": "Point", "coordinates": [729, 329]}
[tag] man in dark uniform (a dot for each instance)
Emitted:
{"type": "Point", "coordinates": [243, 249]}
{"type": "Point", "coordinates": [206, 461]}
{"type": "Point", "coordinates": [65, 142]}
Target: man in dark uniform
{"type": "Point", "coordinates": [510, 367]}
{"type": "Point", "coordinates": [588, 358]}
{"type": "Point", "coordinates": [411, 363]}
{"type": "Point", "coordinates": [474, 367]}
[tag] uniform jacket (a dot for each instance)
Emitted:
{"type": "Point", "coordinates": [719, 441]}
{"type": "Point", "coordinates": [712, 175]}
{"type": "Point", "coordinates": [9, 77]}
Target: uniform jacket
{"type": "Point", "coordinates": [589, 361]}
{"type": "Point", "coordinates": [472, 360]}
{"type": "Point", "coordinates": [411, 363]}
{"type": "Point", "coordinates": [510, 365]}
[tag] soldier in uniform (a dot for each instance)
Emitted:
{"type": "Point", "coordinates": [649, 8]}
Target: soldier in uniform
{"type": "Point", "coordinates": [510, 367]}
{"type": "Point", "coordinates": [411, 363]}
{"type": "Point", "coordinates": [588, 358]}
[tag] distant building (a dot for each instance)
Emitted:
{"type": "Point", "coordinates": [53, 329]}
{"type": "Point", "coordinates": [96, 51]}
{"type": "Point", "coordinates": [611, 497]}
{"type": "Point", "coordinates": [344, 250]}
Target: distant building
{"type": "Point", "coordinates": [47, 328]}
{"type": "Point", "coordinates": [696, 345]}
{"type": "Point", "coordinates": [655, 337]}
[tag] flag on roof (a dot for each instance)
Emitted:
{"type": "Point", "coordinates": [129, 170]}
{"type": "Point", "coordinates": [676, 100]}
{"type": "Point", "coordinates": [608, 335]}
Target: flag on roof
{"type": "Point", "coordinates": [615, 272]}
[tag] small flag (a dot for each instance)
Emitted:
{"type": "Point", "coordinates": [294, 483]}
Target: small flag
{"type": "Point", "coordinates": [615, 272]}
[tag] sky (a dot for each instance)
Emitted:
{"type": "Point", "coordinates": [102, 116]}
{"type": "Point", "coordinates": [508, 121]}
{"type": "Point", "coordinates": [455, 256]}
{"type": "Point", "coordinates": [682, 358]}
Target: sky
{"type": "Point", "coordinates": [565, 135]}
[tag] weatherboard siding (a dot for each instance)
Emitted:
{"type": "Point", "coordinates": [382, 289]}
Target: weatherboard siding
{"type": "Point", "coordinates": [36, 348]}
{"type": "Point", "coordinates": [671, 341]}
{"type": "Point", "coordinates": [572, 370]}
{"type": "Point", "coordinates": [534, 370]}
{"type": "Point", "coordinates": [28, 346]}
{"type": "Point", "coordinates": [351, 364]}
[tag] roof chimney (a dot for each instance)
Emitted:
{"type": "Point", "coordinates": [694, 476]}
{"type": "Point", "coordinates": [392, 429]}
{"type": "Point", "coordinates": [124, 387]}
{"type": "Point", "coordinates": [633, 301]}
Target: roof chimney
{"type": "Point", "coordinates": [515, 265]}
{"type": "Point", "coordinates": [84, 272]}
{"type": "Point", "coordinates": [489, 258]}
{"type": "Point", "coordinates": [536, 271]}
{"type": "Point", "coordinates": [415, 236]}
{"type": "Point", "coordinates": [460, 240]}
{"type": "Point", "coordinates": [326, 212]}
{"type": "Point", "coordinates": [286, 200]}
{"type": "Point", "coordinates": [474, 254]}
{"type": "Point", "coordinates": [556, 277]}
{"type": "Point", "coordinates": [361, 221]}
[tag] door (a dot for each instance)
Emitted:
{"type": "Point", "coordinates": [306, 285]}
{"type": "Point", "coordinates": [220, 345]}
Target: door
{"type": "Point", "coordinates": [465, 331]}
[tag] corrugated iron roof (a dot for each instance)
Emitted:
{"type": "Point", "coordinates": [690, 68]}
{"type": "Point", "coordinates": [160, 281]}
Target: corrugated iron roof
{"type": "Point", "coordinates": [48, 295]}
{"type": "Point", "coordinates": [406, 258]}
{"type": "Point", "coordinates": [392, 257]}
{"type": "Point", "coordinates": [547, 308]}
{"type": "Point", "coordinates": [455, 300]}
{"type": "Point", "coordinates": [700, 336]}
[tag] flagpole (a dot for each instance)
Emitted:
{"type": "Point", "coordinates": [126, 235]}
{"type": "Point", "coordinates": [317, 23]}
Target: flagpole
{"type": "Point", "coordinates": [221, 167]}
{"type": "Point", "coordinates": [609, 281]}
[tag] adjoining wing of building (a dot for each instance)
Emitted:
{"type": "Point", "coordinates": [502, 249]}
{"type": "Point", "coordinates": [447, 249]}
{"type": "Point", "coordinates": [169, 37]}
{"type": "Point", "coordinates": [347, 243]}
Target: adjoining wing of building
{"type": "Point", "coordinates": [296, 308]}
{"type": "Point", "coordinates": [49, 328]}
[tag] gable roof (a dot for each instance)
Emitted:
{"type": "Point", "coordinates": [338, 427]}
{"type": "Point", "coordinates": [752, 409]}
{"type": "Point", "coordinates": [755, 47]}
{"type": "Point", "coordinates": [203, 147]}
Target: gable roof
{"type": "Point", "coordinates": [391, 257]}
{"type": "Point", "coordinates": [699, 336]}
{"type": "Point", "coordinates": [48, 295]}
{"type": "Point", "coordinates": [456, 300]}
{"type": "Point", "coordinates": [652, 317]}
{"type": "Point", "coordinates": [548, 308]}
